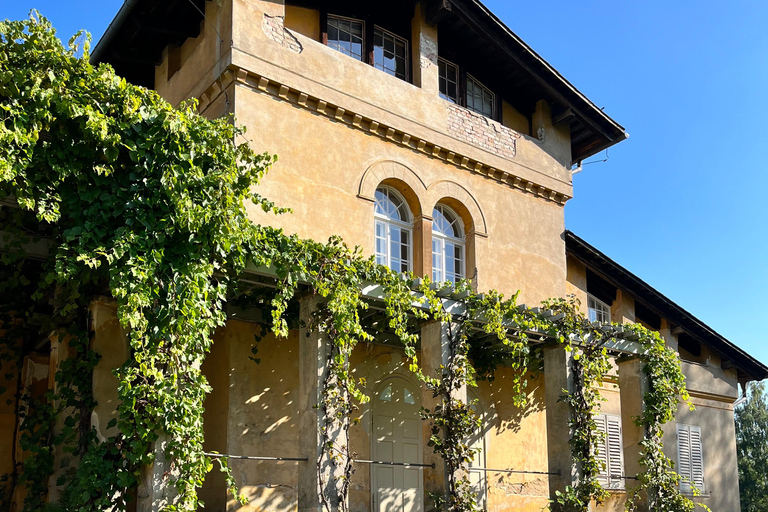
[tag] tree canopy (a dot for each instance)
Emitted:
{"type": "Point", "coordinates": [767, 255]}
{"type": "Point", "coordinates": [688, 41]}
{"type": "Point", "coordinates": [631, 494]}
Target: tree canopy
{"type": "Point", "coordinates": [752, 449]}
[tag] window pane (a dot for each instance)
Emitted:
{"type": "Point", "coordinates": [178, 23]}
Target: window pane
{"type": "Point", "coordinates": [390, 54]}
{"type": "Point", "coordinates": [346, 36]}
{"type": "Point", "coordinates": [405, 246]}
{"type": "Point", "coordinates": [479, 98]}
{"type": "Point", "coordinates": [386, 395]}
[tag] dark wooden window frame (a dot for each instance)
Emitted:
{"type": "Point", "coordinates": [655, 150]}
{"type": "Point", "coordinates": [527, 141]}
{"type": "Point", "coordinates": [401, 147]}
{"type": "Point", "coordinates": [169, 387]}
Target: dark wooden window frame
{"type": "Point", "coordinates": [368, 39]}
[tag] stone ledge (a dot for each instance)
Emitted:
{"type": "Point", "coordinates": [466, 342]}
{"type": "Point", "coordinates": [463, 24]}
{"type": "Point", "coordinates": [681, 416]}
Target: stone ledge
{"type": "Point", "coordinates": [234, 74]}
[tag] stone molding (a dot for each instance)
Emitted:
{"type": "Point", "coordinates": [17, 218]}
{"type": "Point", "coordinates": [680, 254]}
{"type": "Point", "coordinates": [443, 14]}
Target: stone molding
{"type": "Point", "coordinates": [386, 169]}
{"type": "Point", "coordinates": [428, 196]}
{"type": "Point", "coordinates": [318, 106]}
{"type": "Point", "coordinates": [450, 189]}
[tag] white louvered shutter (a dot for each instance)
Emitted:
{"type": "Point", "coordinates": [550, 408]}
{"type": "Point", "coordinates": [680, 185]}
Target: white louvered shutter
{"type": "Point", "coordinates": [602, 452]}
{"type": "Point", "coordinates": [684, 456]}
{"type": "Point", "coordinates": [615, 452]}
{"type": "Point", "coordinates": [697, 458]}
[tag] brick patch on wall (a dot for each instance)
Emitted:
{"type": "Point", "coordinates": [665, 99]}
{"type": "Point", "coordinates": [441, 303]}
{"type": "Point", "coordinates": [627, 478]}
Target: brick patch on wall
{"type": "Point", "coordinates": [480, 131]}
{"type": "Point", "coordinates": [274, 27]}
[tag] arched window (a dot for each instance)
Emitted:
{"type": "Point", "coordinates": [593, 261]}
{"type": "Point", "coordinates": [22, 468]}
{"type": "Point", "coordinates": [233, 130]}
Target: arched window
{"type": "Point", "coordinates": [447, 245]}
{"type": "Point", "coordinates": [393, 230]}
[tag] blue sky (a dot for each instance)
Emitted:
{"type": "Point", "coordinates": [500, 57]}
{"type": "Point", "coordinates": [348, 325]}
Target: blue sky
{"type": "Point", "coordinates": [682, 203]}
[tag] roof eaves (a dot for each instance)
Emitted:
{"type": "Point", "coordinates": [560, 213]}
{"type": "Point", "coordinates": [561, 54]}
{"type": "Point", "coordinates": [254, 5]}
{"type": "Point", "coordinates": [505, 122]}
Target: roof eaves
{"type": "Point", "coordinates": [579, 247]}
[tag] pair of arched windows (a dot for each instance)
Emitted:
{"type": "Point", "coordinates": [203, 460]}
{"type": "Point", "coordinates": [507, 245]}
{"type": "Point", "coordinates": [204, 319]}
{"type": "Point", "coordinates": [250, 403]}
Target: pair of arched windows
{"type": "Point", "coordinates": [393, 229]}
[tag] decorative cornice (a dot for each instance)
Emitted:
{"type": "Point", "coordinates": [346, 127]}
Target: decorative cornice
{"type": "Point", "coordinates": [370, 126]}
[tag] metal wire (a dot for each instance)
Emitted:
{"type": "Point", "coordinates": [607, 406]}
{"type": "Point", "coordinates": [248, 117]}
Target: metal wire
{"type": "Point", "coordinates": [382, 463]}
{"type": "Point", "coordinates": [517, 471]}
{"type": "Point", "coordinates": [244, 457]}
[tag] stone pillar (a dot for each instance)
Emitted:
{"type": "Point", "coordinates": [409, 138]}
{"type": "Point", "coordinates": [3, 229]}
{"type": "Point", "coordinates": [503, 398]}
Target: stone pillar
{"type": "Point", "coordinates": [155, 491]}
{"type": "Point", "coordinates": [424, 51]}
{"type": "Point", "coordinates": [109, 341]}
{"type": "Point", "coordinates": [669, 334]}
{"type": "Point", "coordinates": [435, 353]}
{"type": "Point", "coordinates": [313, 371]}
{"type": "Point", "coordinates": [623, 308]}
{"type": "Point", "coordinates": [422, 246]}
{"type": "Point", "coordinates": [558, 377]}
{"type": "Point", "coordinates": [633, 384]}
{"type": "Point", "coordinates": [60, 351]}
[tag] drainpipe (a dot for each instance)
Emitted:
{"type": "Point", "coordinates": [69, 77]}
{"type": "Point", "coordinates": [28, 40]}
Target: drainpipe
{"type": "Point", "coordinates": [109, 35]}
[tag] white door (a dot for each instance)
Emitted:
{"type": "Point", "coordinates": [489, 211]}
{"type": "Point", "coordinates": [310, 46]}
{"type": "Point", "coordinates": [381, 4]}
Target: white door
{"type": "Point", "coordinates": [396, 438]}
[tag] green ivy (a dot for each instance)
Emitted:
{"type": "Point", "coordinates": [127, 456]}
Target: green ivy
{"type": "Point", "coordinates": [148, 203]}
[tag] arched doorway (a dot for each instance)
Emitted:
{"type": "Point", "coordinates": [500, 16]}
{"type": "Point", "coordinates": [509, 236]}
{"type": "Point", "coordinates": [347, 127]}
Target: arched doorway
{"type": "Point", "coordinates": [396, 437]}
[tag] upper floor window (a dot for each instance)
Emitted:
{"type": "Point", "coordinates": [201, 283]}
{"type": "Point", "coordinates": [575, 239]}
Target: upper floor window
{"type": "Point", "coordinates": [393, 230]}
{"type": "Point", "coordinates": [346, 35]}
{"type": "Point", "coordinates": [390, 53]}
{"type": "Point", "coordinates": [447, 245]}
{"type": "Point", "coordinates": [598, 310]}
{"type": "Point", "coordinates": [479, 98]}
{"type": "Point", "coordinates": [690, 457]}
{"type": "Point", "coordinates": [449, 80]}
{"type": "Point", "coordinates": [384, 50]}
{"type": "Point", "coordinates": [610, 453]}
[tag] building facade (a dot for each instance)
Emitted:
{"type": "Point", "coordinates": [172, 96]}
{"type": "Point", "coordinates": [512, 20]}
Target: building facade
{"type": "Point", "coordinates": [431, 136]}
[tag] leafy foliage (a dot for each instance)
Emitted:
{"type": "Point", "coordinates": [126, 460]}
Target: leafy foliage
{"type": "Point", "coordinates": [148, 203]}
{"type": "Point", "coordinates": [752, 449]}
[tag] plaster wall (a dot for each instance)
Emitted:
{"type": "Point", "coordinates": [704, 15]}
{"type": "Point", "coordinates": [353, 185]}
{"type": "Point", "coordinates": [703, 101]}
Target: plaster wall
{"type": "Point", "coordinates": [323, 165]}
{"type": "Point", "coordinates": [718, 431]}
{"type": "Point", "coordinates": [262, 413]}
{"type": "Point", "coordinates": [319, 71]}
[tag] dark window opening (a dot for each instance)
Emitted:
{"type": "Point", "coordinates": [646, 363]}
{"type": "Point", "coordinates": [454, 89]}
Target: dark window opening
{"type": "Point", "coordinates": [690, 349]}
{"type": "Point", "coordinates": [647, 316]}
{"type": "Point", "coordinates": [598, 287]}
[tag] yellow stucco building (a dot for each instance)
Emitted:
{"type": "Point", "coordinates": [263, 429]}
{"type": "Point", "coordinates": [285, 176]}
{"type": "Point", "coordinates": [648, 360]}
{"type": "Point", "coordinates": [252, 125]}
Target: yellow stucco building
{"type": "Point", "coordinates": [434, 138]}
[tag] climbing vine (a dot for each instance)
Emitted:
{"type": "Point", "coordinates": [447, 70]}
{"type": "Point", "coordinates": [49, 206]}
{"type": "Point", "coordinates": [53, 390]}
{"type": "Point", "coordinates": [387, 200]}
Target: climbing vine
{"type": "Point", "coordinates": [148, 203]}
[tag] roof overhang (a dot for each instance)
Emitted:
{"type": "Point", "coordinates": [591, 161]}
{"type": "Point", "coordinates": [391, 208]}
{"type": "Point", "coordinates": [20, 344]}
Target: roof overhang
{"type": "Point", "coordinates": [592, 130]}
{"type": "Point", "coordinates": [133, 44]}
{"type": "Point", "coordinates": [134, 41]}
{"type": "Point", "coordinates": [748, 367]}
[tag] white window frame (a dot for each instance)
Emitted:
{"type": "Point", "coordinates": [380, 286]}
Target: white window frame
{"type": "Point", "coordinates": [390, 224]}
{"type": "Point", "coordinates": [486, 91]}
{"type": "Point", "coordinates": [397, 39]}
{"type": "Point", "coordinates": [441, 240]}
{"type": "Point", "coordinates": [448, 64]}
{"type": "Point", "coordinates": [362, 42]}
{"type": "Point", "coordinates": [601, 310]}
{"type": "Point", "coordinates": [690, 458]}
{"type": "Point", "coordinates": [610, 452]}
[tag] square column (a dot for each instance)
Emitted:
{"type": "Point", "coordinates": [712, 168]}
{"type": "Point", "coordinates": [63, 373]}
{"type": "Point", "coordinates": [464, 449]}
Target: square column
{"type": "Point", "coordinates": [321, 477]}
{"type": "Point", "coordinates": [558, 378]}
{"type": "Point", "coordinates": [424, 51]}
{"type": "Point", "coordinates": [633, 384]}
{"type": "Point", "coordinates": [156, 492]}
{"type": "Point", "coordinates": [435, 354]}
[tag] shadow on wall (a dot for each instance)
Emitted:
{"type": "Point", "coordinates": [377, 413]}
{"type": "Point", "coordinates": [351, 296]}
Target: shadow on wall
{"type": "Point", "coordinates": [505, 415]}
